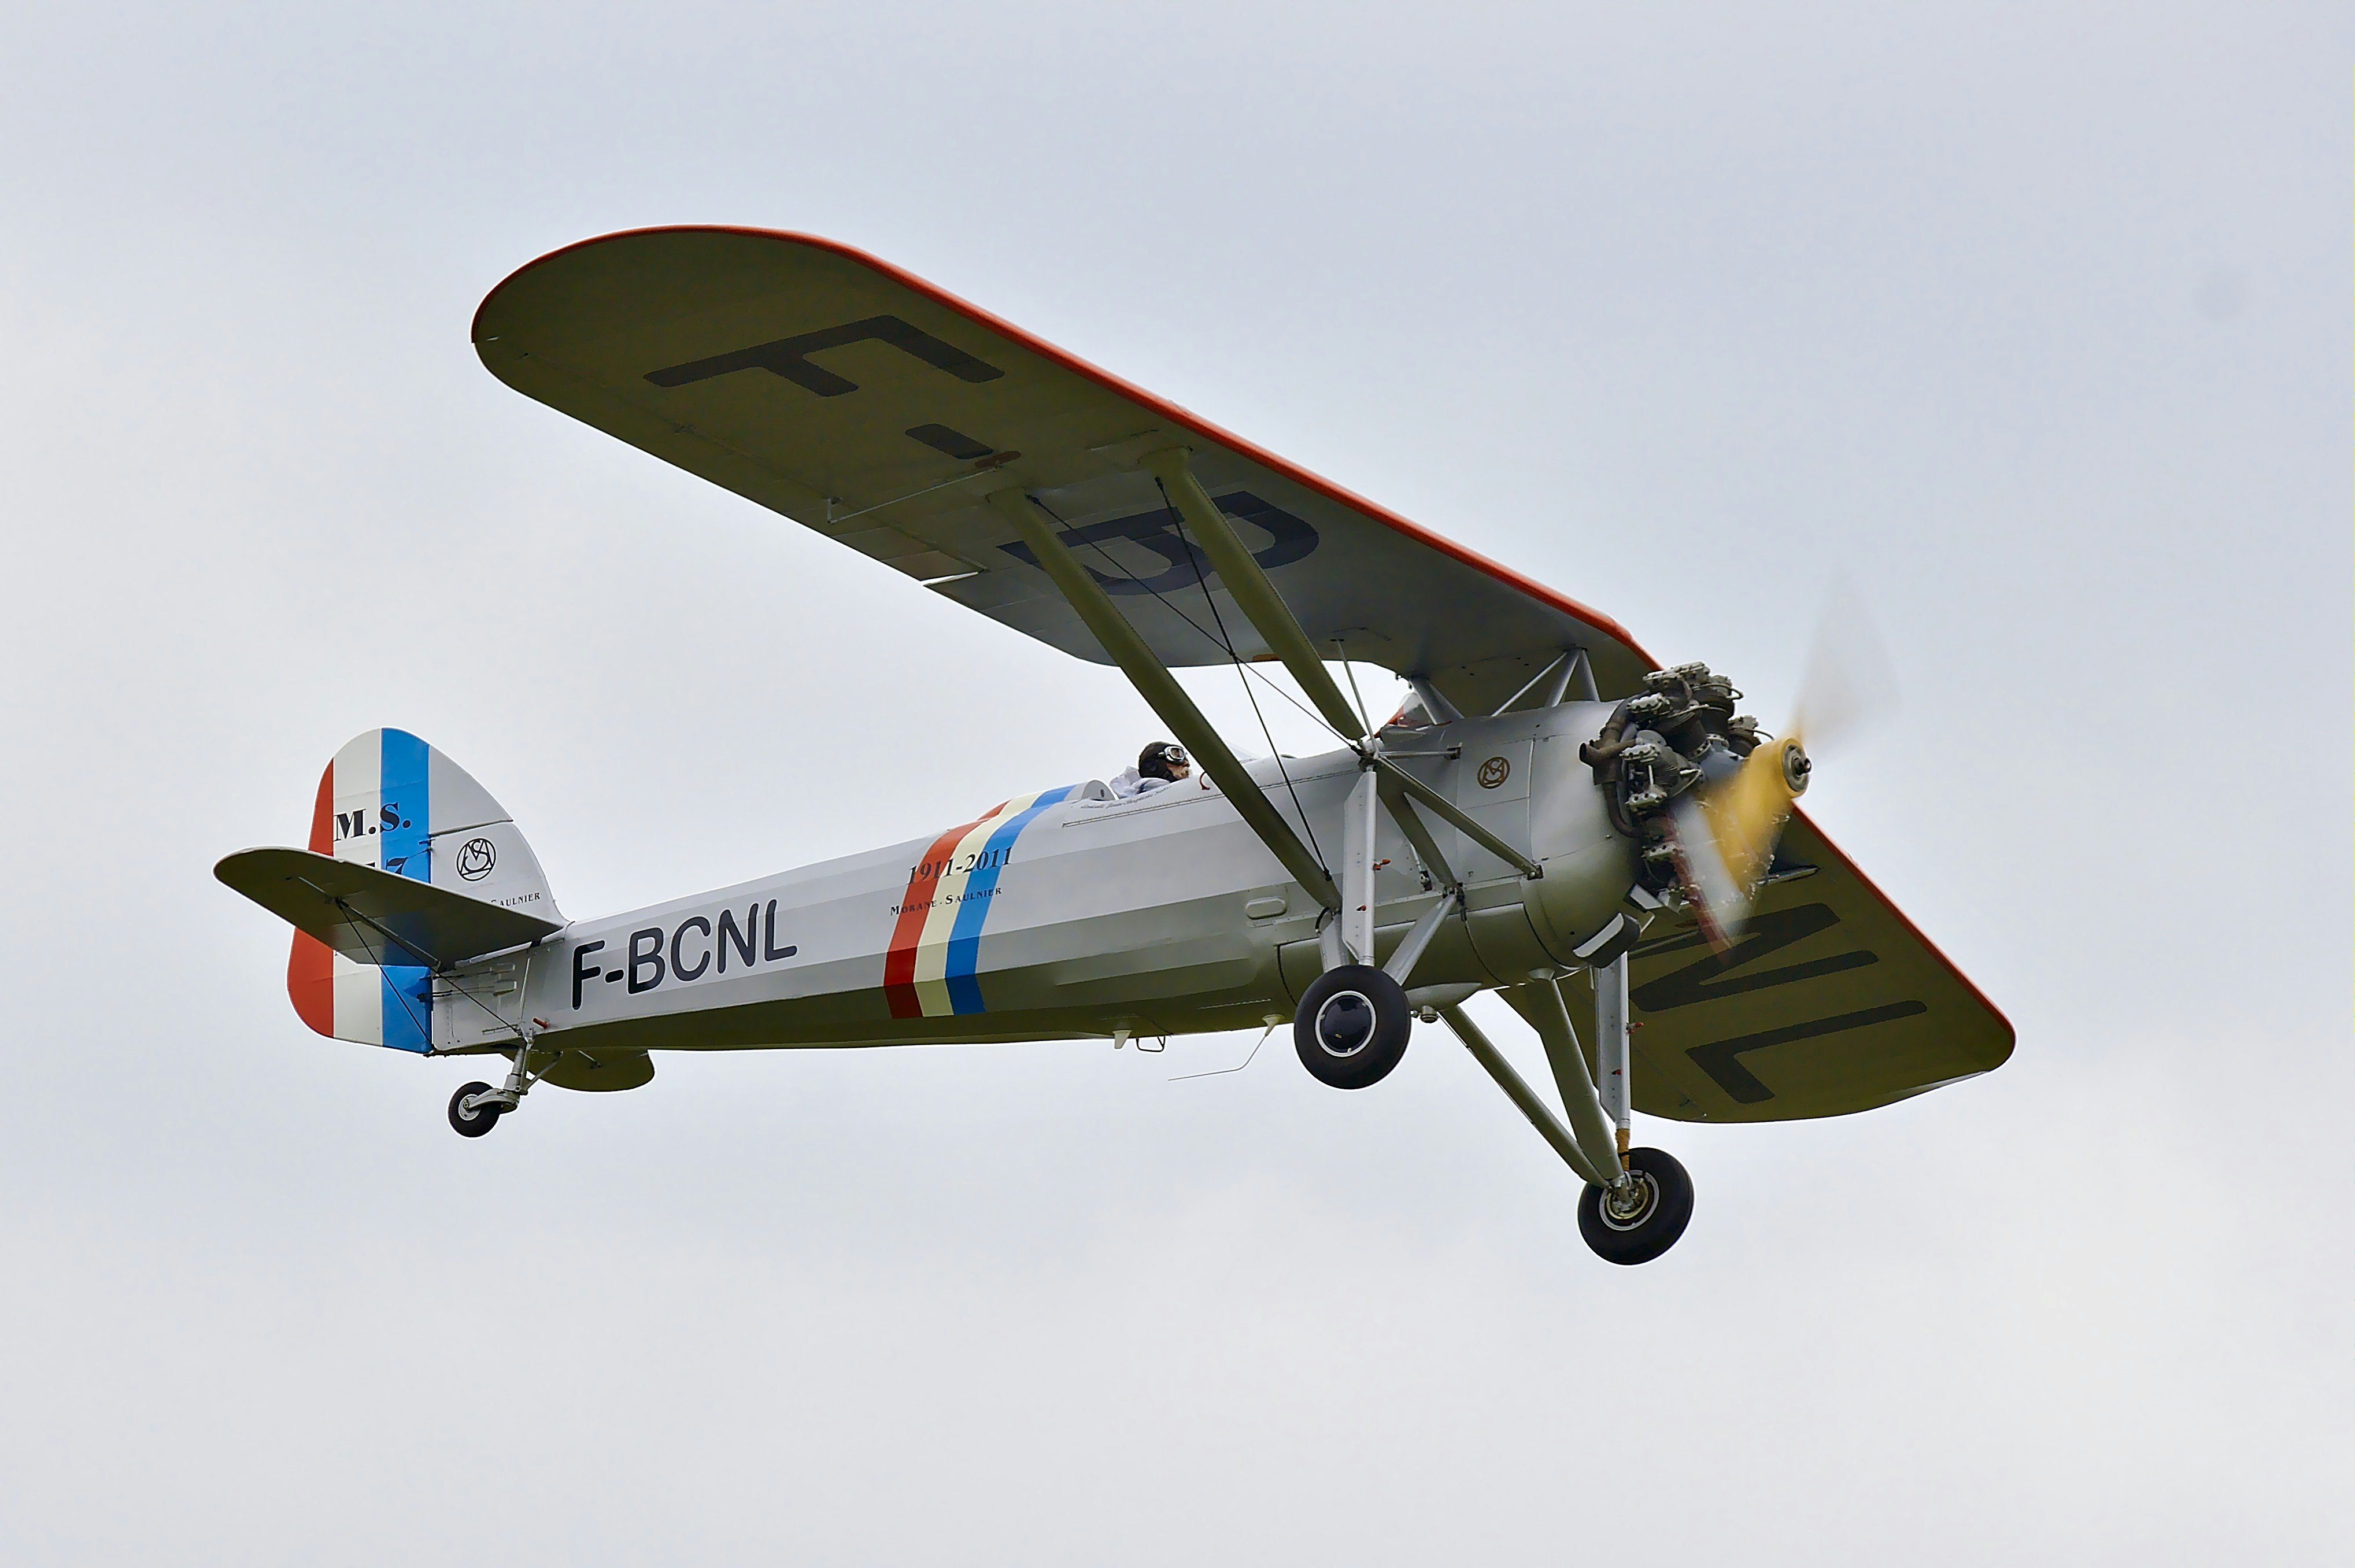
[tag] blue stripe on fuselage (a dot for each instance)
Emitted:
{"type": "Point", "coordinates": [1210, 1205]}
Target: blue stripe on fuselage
{"type": "Point", "coordinates": [405, 820]}
{"type": "Point", "coordinates": [965, 936]}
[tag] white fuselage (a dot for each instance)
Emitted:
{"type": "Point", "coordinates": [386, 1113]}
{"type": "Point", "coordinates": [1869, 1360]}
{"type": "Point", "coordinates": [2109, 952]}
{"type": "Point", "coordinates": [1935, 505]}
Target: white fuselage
{"type": "Point", "coordinates": [1071, 914]}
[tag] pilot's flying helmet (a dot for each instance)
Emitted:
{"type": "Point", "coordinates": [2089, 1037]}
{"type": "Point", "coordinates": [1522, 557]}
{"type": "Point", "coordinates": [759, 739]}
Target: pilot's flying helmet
{"type": "Point", "coordinates": [1163, 759]}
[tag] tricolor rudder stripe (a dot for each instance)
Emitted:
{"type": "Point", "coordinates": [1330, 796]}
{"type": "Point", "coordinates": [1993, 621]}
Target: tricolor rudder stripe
{"type": "Point", "coordinates": [932, 969]}
{"type": "Point", "coordinates": [374, 806]}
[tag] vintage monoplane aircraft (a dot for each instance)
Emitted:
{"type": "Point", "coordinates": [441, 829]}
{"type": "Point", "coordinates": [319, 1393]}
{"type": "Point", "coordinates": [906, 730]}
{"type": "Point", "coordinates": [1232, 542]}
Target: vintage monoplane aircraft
{"type": "Point", "coordinates": [1552, 815]}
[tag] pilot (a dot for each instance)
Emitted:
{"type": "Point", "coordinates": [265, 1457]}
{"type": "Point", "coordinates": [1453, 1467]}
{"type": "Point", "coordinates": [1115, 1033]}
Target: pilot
{"type": "Point", "coordinates": [1157, 766]}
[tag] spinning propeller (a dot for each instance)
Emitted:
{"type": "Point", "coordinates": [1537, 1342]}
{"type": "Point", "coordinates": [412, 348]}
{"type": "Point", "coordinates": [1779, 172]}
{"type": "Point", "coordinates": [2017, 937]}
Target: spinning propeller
{"type": "Point", "coordinates": [1724, 829]}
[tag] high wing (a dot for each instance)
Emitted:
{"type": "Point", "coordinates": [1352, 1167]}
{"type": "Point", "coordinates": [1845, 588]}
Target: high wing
{"type": "Point", "coordinates": [870, 407]}
{"type": "Point", "coordinates": [863, 403]}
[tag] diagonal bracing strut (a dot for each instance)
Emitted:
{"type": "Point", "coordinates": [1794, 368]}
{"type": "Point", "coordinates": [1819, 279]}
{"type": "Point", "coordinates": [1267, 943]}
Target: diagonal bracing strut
{"type": "Point", "coordinates": [1573, 1150]}
{"type": "Point", "coordinates": [1273, 620]}
{"type": "Point", "coordinates": [1252, 592]}
{"type": "Point", "coordinates": [1457, 819]}
{"type": "Point", "coordinates": [1163, 694]}
{"type": "Point", "coordinates": [1541, 1003]}
{"type": "Point", "coordinates": [1281, 630]}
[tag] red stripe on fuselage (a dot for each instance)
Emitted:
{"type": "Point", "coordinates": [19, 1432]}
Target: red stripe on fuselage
{"type": "Point", "coordinates": [923, 882]}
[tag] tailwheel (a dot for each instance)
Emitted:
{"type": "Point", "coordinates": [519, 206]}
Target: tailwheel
{"type": "Point", "coordinates": [1352, 1026]}
{"type": "Point", "coordinates": [473, 1120]}
{"type": "Point", "coordinates": [1637, 1222]}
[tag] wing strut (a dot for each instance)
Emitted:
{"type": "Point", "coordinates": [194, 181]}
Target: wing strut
{"type": "Point", "coordinates": [1163, 694]}
{"type": "Point", "coordinates": [1275, 624]}
{"type": "Point", "coordinates": [1252, 591]}
{"type": "Point", "coordinates": [1273, 619]}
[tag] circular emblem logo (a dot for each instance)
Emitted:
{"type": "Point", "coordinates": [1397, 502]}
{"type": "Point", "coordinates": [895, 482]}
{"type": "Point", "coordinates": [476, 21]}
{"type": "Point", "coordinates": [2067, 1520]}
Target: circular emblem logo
{"type": "Point", "coordinates": [475, 859]}
{"type": "Point", "coordinates": [1493, 771]}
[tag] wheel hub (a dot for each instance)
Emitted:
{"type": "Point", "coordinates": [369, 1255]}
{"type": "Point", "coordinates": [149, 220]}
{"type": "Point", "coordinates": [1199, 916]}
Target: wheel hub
{"type": "Point", "coordinates": [1345, 1023]}
{"type": "Point", "coordinates": [1628, 1205]}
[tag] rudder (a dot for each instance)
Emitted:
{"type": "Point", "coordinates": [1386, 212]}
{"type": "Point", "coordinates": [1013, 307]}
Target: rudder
{"type": "Point", "coordinates": [389, 801]}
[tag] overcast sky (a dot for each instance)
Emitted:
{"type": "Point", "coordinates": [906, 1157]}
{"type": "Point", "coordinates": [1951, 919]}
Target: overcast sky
{"type": "Point", "coordinates": [2031, 321]}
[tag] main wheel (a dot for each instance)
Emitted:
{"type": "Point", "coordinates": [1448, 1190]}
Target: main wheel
{"type": "Point", "coordinates": [473, 1122]}
{"type": "Point", "coordinates": [1352, 1026]}
{"type": "Point", "coordinates": [1644, 1224]}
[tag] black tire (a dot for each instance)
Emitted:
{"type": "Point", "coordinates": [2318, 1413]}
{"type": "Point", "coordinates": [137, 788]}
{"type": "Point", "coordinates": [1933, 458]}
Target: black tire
{"type": "Point", "coordinates": [1352, 1027]}
{"type": "Point", "coordinates": [474, 1124]}
{"type": "Point", "coordinates": [1667, 1197]}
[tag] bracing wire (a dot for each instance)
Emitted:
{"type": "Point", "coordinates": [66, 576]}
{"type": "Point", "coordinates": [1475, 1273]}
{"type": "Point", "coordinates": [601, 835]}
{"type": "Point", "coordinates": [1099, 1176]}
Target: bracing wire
{"type": "Point", "coordinates": [1228, 642]}
{"type": "Point", "coordinates": [1315, 717]}
{"type": "Point", "coordinates": [1219, 641]}
{"type": "Point", "coordinates": [355, 921]}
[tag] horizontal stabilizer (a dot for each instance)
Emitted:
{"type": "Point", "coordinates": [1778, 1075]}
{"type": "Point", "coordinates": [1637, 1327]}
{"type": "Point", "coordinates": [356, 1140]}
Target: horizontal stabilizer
{"type": "Point", "coordinates": [376, 917]}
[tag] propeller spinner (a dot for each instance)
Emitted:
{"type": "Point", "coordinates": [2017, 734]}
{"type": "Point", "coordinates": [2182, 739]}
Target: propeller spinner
{"type": "Point", "coordinates": [1723, 834]}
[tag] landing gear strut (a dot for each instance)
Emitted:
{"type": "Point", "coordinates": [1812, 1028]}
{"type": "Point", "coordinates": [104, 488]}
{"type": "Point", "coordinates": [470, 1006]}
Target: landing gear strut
{"type": "Point", "coordinates": [1637, 1202]}
{"type": "Point", "coordinates": [1353, 1021]}
{"type": "Point", "coordinates": [476, 1108]}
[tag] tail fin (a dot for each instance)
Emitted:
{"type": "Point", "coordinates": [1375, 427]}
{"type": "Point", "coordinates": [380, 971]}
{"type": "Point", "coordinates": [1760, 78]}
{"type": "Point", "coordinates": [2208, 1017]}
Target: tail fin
{"type": "Point", "coordinates": [391, 802]}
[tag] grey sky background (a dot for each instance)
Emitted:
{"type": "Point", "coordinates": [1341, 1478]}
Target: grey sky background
{"type": "Point", "coordinates": [2032, 321]}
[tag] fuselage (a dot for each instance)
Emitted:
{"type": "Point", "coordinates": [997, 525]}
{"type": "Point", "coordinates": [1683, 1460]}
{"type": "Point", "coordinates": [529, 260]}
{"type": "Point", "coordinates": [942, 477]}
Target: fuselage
{"type": "Point", "coordinates": [1067, 913]}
